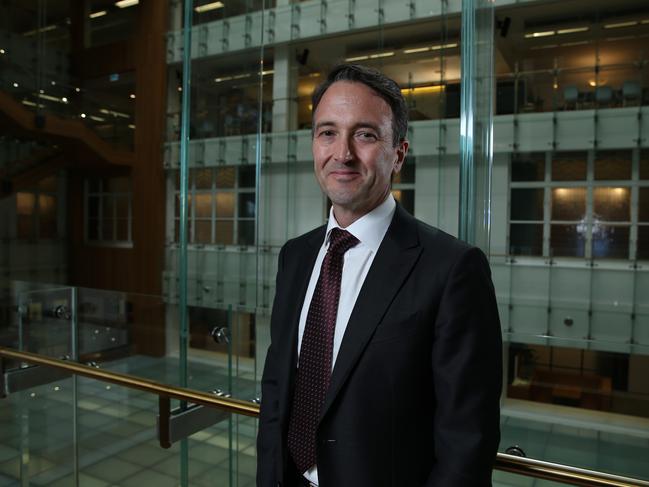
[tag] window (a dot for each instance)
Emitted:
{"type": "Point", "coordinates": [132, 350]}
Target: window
{"type": "Point", "coordinates": [578, 204]}
{"type": "Point", "coordinates": [221, 206]}
{"type": "Point", "coordinates": [108, 211]}
{"type": "Point", "coordinates": [37, 211]}
{"type": "Point", "coordinates": [403, 185]}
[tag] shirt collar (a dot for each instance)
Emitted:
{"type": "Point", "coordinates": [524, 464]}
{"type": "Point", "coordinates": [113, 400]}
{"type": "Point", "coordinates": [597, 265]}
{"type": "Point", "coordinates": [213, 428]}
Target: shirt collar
{"type": "Point", "coordinates": [371, 227]}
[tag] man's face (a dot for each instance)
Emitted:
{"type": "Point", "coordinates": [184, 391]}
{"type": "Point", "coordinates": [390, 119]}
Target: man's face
{"type": "Point", "coordinates": [353, 155]}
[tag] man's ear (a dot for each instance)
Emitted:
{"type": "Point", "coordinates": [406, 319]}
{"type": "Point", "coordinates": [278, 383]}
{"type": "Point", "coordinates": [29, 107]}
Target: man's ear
{"type": "Point", "coordinates": [402, 150]}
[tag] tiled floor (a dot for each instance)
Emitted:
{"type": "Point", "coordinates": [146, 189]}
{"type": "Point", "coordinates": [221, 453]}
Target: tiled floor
{"type": "Point", "coordinates": [117, 445]}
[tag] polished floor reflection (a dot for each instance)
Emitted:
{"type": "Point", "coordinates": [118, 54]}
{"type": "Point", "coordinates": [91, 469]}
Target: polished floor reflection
{"type": "Point", "coordinates": [117, 443]}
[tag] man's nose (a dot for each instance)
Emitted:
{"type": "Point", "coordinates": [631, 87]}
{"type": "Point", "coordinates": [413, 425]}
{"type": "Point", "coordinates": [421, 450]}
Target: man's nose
{"type": "Point", "coordinates": [344, 150]}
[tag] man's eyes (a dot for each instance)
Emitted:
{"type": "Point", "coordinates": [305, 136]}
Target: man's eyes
{"type": "Point", "coordinates": [367, 136]}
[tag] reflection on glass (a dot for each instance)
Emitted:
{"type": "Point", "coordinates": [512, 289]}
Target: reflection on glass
{"type": "Point", "coordinates": [107, 229]}
{"type": "Point", "coordinates": [203, 232]}
{"type": "Point", "coordinates": [407, 173]}
{"type": "Point", "coordinates": [48, 184]}
{"type": "Point", "coordinates": [122, 229]}
{"type": "Point", "coordinates": [569, 166]}
{"type": "Point", "coordinates": [25, 203]}
{"type": "Point", "coordinates": [612, 165]}
{"type": "Point", "coordinates": [247, 176]}
{"type": "Point", "coordinates": [121, 206]}
{"type": "Point", "coordinates": [202, 178]}
{"type": "Point", "coordinates": [610, 241]}
{"type": "Point", "coordinates": [225, 205]}
{"type": "Point", "coordinates": [203, 205]}
{"type": "Point", "coordinates": [224, 232]}
{"type": "Point", "coordinates": [46, 206]}
{"type": "Point", "coordinates": [586, 379]}
{"type": "Point", "coordinates": [406, 197]}
{"type": "Point", "coordinates": [568, 204]}
{"type": "Point", "coordinates": [246, 205]}
{"type": "Point", "coordinates": [528, 167]}
{"type": "Point", "coordinates": [612, 204]}
{"type": "Point", "coordinates": [177, 205]}
{"type": "Point", "coordinates": [246, 232]}
{"type": "Point", "coordinates": [643, 242]}
{"type": "Point", "coordinates": [225, 177]}
{"type": "Point", "coordinates": [568, 240]}
{"type": "Point", "coordinates": [643, 204]}
{"type": "Point", "coordinates": [93, 229]}
{"type": "Point", "coordinates": [107, 206]}
{"type": "Point", "coordinates": [526, 239]}
{"type": "Point", "coordinates": [644, 164]}
{"type": "Point", "coordinates": [117, 185]}
{"type": "Point", "coordinates": [527, 204]}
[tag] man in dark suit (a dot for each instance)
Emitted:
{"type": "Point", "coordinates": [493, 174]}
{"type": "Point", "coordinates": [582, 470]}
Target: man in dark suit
{"type": "Point", "coordinates": [385, 361]}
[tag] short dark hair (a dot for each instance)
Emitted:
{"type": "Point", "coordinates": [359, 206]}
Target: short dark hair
{"type": "Point", "coordinates": [383, 86]}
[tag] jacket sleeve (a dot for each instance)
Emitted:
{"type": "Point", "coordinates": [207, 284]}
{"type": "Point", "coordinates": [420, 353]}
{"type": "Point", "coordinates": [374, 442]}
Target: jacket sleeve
{"type": "Point", "coordinates": [269, 434]}
{"type": "Point", "coordinates": [467, 373]}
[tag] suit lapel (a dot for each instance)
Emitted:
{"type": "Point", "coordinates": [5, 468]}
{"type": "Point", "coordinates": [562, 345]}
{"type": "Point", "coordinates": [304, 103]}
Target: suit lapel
{"type": "Point", "coordinates": [393, 263]}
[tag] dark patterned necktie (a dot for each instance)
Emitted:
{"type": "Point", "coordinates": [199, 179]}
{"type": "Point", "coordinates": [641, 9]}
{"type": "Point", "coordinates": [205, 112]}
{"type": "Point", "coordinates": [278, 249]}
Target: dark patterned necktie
{"type": "Point", "coordinates": [314, 371]}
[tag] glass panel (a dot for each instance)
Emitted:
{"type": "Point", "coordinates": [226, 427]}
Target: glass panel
{"type": "Point", "coordinates": [247, 176]}
{"type": "Point", "coordinates": [569, 166]}
{"type": "Point", "coordinates": [48, 184]}
{"type": "Point", "coordinates": [246, 232]}
{"type": "Point", "coordinates": [643, 243]}
{"type": "Point", "coordinates": [528, 167]}
{"type": "Point", "coordinates": [568, 204]}
{"type": "Point", "coordinates": [526, 239]}
{"type": "Point", "coordinates": [526, 204]}
{"type": "Point", "coordinates": [225, 177]}
{"type": "Point", "coordinates": [203, 207]}
{"type": "Point", "coordinates": [610, 241]}
{"type": "Point", "coordinates": [644, 164]}
{"type": "Point", "coordinates": [225, 205]}
{"type": "Point", "coordinates": [407, 173]}
{"type": "Point", "coordinates": [643, 204]}
{"type": "Point", "coordinates": [613, 165]}
{"type": "Point", "coordinates": [202, 178]}
{"type": "Point", "coordinates": [224, 232]}
{"type": "Point", "coordinates": [203, 231]}
{"type": "Point", "coordinates": [567, 240]}
{"type": "Point", "coordinates": [406, 197]}
{"type": "Point", "coordinates": [246, 205]}
{"type": "Point", "coordinates": [612, 204]}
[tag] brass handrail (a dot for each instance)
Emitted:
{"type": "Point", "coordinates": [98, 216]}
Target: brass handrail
{"type": "Point", "coordinates": [508, 463]}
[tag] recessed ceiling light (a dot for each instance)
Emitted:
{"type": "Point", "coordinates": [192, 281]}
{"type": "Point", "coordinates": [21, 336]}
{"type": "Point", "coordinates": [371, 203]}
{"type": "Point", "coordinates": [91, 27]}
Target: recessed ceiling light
{"type": "Point", "coordinates": [132, 96]}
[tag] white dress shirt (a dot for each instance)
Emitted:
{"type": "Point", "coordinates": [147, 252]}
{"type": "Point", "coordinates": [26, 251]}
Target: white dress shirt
{"type": "Point", "coordinates": [369, 230]}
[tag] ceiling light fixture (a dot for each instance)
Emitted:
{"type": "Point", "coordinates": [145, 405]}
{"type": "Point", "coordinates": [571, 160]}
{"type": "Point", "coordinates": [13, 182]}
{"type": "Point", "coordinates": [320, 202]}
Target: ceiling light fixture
{"type": "Point", "coordinates": [356, 58]}
{"type": "Point", "coordinates": [2, 51]}
{"type": "Point", "coordinates": [422, 89]}
{"type": "Point", "coordinates": [41, 30]}
{"type": "Point", "coordinates": [618, 25]}
{"type": "Point", "coordinates": [126, 3]}
{"type": "Point", "coordinates": [132, 96]}
{"type": "Point", "coordinates": [416, 50]}
{"type": "Point", "coordinates": [209, 6]}
{"type": "Point", "coordinates": [572, 30]}
{"type": "Point", "coordinates": [545, 33]}
{"type": "Point", "coordinates": [95, 15]}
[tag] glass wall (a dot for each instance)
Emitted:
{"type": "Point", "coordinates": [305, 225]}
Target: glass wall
{"type": "Point", "coordinates": [91, 111]}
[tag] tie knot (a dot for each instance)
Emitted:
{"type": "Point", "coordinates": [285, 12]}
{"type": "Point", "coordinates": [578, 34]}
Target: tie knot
{"type": "Point", "coordinates": [340, 241]}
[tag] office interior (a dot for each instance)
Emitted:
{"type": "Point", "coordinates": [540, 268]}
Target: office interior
{"type": "Point", "coordinates": [140, 234]}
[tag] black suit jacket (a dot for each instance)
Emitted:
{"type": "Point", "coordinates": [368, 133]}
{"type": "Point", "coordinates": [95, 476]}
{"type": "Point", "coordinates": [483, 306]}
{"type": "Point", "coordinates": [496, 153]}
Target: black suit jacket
{"type": "Point", "coordinates": [414, 394]}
